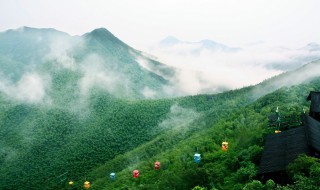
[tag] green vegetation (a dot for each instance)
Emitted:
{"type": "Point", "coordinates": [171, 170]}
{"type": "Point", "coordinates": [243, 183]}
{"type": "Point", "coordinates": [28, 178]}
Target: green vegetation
{"type": "Point", "coordinates": [87, 127]}
{"type": "Point", "coordinates": [243, 127]}
{"type": "Point", "coordinates": [42, 143]}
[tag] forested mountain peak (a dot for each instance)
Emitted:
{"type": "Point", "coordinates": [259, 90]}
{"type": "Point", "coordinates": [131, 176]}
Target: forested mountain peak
{"type": "Point", "coordinates": [96, 59]}
{"type": "Point", "coordinates": [102, 35]}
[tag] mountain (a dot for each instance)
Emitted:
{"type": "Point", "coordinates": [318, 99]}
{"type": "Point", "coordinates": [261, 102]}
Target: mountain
{"type": "Point", "coordinates": [57, 92]}
{"type": "Point", "coordinates": [22, 48]}
{"type": "Point", "coordinates": [195, 47]}
{"type": "Point", "coordinates": [304, 74]}
{"type": "Point", "coordinates": [296, 57]}
{"type": "Point", "coordinates": [312, 47]}
{"type": "Point", "coordinates": [170, 41]}
{"type": "Point", "coordinates": [95, 58]}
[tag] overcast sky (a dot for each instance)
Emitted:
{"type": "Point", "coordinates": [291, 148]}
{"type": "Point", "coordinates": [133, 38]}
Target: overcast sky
{"type": "Point", "coordinates": [291, 23]}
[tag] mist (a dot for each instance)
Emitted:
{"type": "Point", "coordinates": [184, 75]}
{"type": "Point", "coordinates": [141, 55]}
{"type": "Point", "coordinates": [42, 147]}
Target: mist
{"type": "Point", "coordinates": [31, 88]}
{"type": "Point", "coordinates": [188, 69]}
{"type": "Point", "coordinates": [178, 118]}
{"type": "Point", "coordinates": [96, 74]}
{"type": "Point", "coordinates": [60, 48]}
{"type": "Point", "coordinates": [213, 71]}
{"type": "Point", "coordinates": [304, 74]}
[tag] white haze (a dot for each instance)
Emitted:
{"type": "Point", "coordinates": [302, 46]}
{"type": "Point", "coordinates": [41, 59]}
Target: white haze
{"type": "Point", "coordinates": [148, 92]}
{"type": "Point", "coordinates": [206, 72]}
{"type": "Point", "coordinates": [97, 75]}
{"type": "Point", "coordinates": [215, 71]}
{"type": "Point", "coordinates": [92, 68]}
{"type": "Point", "coordinates": [59, 52]}
{"type": "Point", "coordinates": [34, 85]}
{"type": "Point", "coordinates": [178, 117]}
{"type": "Point", "coordinates": [31, 88]}
{"type": "Point", "coordinates": [305, 74]}
{"type": "Point", "coordinates": [142, 21]}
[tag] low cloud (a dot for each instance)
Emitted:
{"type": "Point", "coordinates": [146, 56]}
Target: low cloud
{"type": "Point", "coordinates": [148, 92]}
{"type": "Point", "coordinates": [145, 63]}
{"type": "Point", "coordinates": [304, 74]}
{"type": "Point", "coordinates": [179, 117]}
{"type": "Point", "coordinates": [215, 71]}
{"type": "Point", "coordinates": [31, 88]}
{"type": "Point", "coordinates": [95, 74]}
{"type": "Point", "coordinates": [61, 51]}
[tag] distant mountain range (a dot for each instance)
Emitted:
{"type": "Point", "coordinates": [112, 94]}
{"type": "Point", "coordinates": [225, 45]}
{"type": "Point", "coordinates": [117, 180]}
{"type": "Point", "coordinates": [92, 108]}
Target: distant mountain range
{"type": "Point", "coordinates": [278, 58]}
{"type": "Point", "coordinates": [196, 47]}
{"type": "Point", "coordinates": [312, 47]}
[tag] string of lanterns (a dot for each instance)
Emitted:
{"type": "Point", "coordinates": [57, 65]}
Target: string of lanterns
{"type": "Point", "coordinates": [157, 164]}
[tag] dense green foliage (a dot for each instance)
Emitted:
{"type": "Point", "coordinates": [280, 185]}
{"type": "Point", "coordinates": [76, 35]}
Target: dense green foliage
{"type": "Point", "coordinates": [44, 147]}
{"type": "Point", "coordinates": [243, 127]}
{"type": "Point", "coordinates": [42, 143]}
{"type": "Point", "coordinates": [34, 137]}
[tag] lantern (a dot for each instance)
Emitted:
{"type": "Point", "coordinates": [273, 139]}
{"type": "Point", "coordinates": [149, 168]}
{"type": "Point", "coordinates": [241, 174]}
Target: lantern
{"type": "Point", "coordinates": [135, 173]}
{"type": "Point", "coordinates": [197, 158]}
{"type": "Point", "coordinates": [113, 176]}
{"type": "Point", "coordinates": [224, 146]}
{"type": "Point", "coordinates": [86, 185]}
{"type": "Point", "coordinates": [277, 131]}
{"type": "Point", "coordinates": [70, 183]}
{"type": "Point", "coordinates": [157, 165]}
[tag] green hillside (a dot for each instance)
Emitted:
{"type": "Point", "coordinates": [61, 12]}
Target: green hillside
{"type": "Point", "coordinates": [80, 107]}
{"type": "Point", "coordinates": [244, 127]}
{"type": "Point", "coordinates": [40, 144]}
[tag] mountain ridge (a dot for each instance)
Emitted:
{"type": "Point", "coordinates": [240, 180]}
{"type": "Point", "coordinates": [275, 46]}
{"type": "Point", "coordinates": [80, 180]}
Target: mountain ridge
{"type": "Point", "coordinates": [48, 51]}
{"type": "Point", "coordinates": [201, 45]}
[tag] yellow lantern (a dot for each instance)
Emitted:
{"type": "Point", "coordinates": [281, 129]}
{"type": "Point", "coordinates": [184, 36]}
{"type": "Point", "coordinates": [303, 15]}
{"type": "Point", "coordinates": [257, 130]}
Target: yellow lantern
{"type": "Point", "coordinates": [70, 183]}
{"type": "Point", "coordinates": [224, 146]}
{"type": "Point", "coordinates": [277, 131]}
{"type": "Point", "coordinates": [86, 185]}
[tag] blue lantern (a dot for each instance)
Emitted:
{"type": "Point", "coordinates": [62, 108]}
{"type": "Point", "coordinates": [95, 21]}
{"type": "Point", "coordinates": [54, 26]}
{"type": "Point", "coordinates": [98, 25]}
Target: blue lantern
{"type": "Point", "coordinates": [197, 158]}
{"type": "Point", "coordinates": [113, 176]}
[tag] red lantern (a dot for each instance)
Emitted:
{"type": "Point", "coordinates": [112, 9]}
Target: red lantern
{"type": "Point", "coordinates": [135, 173]}
{"type": "Point", "coordinates": [157, 165]}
